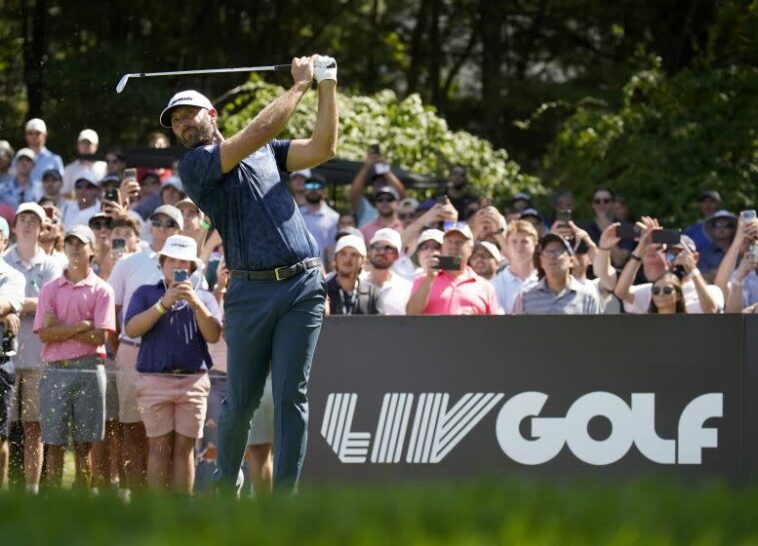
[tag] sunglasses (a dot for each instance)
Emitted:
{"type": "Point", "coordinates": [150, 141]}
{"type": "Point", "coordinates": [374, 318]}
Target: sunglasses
{"type": "Point", "coordinates": [427, 245]}
{"type": "Point", "coordinates": [556, 252]}
{"type": "Point", "coordinates": [98, 225]}
{"type": "Point", "coordinates": [658, 290]}
{"type": "Point", "coordinates": [384, 199]}
{"type": "Point", "coordinates": [722, 225]}
{"type": "Point", "coordinates": [82, 184]}
{"type": "Point", "coordinates": [378, 247]}
{"type": "Point", "coordinates": [602, 201]}
{"type": "Point", "coordinates": [170, 224]}
{"type": "Point", "coordinates": [313, 186]}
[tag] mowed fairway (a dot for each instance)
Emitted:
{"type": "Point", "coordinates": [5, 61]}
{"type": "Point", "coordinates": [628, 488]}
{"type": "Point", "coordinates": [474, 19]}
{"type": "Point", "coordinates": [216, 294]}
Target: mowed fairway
{"type": "Point", "coordinates": [473, 513]}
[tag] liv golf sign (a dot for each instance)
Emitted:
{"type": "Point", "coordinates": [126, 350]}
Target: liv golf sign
{"type": "Point", "coordinates": [425, 430]}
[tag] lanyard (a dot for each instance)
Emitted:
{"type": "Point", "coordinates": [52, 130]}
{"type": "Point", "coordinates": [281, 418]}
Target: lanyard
{"type": "Point", "coordinates": [349, 301]}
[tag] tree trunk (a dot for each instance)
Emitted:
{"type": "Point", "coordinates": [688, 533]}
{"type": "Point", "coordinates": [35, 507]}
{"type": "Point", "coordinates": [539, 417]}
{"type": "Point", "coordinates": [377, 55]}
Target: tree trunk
{"type": "Point", "coordinates": [490, 23]}
{"type": "Point", "coordinates": [34, 53]}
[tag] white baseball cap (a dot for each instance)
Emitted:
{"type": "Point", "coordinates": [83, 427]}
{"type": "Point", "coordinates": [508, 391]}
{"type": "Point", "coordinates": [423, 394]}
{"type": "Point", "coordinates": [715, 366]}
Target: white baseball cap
{"type": "Point", "coordinates": [81, 232]}
{"type": "Point", "coordinates": [180, 247]}
{"type": "Point", "coordinates": [173, 182]}
{"type": "Point", "coordinates": [305, 173]}
{"type": "Point", "coordinates": [87, 175]}
{"type": "Point", "coordinates": [28, 153]}
{"type": "Point", "coordinates": [389, 236]}
{"type": "Point", "coordinates": [491, 249]}
{"type": "Point", "coordinates": [461, 228]}
{"type": "Point", "coordinates": [34, 208]}
{"type": "Point", "coordinates": [352, 241]}
{"type": "Point", "coordinates": [36, 124]}
{"type": "Point", "coordinates": [435, 235]}
{"type": "Point", "coordinates": [172, 212]}
{"type": "Point", "coordinates": [89, 135]}
{"type": "Point", "coordinates": [189, 97]}
{"type": "Point", "coordinates": [187, 201]}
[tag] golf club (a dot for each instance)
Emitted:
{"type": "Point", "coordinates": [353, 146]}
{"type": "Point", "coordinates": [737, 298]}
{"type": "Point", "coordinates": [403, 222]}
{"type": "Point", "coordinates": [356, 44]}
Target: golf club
{"type": "Point", "coordinates": [273, 68]}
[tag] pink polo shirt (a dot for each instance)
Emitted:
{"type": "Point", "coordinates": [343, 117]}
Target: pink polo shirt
{"type": "Point", "coordinates": [90, 299]}
{"type": "Point", "coordinates": [469, 294]}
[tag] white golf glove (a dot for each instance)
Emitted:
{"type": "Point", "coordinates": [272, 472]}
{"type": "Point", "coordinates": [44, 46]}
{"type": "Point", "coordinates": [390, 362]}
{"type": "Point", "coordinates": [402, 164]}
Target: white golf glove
{"type": "Point", "coordinates": [324, 68]}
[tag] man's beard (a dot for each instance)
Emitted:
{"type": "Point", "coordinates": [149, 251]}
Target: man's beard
{"type": "Point", "coordinates": [386, 214]}
{"type": "Point", "coordinates": [313, 199]}
{"type": "Point", "coordinates": [197, 136]}
{"type": "Point", "coordinates": [380, 266]}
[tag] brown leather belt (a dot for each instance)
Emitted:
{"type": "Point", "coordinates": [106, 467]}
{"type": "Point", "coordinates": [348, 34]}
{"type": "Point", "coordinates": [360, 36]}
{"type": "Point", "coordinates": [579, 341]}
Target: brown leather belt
{"type": "Point", "coordinates": [278, 274]}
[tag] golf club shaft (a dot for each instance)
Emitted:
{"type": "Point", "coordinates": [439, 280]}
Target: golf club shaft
{"type": "Point", "coordinates": [271, 68]}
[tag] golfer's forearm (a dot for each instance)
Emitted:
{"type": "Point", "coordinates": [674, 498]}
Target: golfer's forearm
{"type": "Point", "coordinates": [266, 125]}
{"type": "Point", "coordinates": [327, 120]}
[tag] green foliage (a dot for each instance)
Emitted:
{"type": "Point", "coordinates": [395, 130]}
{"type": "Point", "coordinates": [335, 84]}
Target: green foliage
{"type": "Point", "coordinates": [671, 138]}
{"type": "Point", "coordinates": [411, 135]}
{"type": "Point", "coordinates": [472, 513]}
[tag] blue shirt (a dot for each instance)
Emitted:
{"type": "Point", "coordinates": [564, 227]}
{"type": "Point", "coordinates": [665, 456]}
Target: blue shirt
{"type": "Point", "coordinates": [175, 341]}
{"type": "Point", "coordinates": [251, 206]}
{"type": "Point", "coordinates": [696, 232]}
{"type": "Point", "coordinates": [44, 161]}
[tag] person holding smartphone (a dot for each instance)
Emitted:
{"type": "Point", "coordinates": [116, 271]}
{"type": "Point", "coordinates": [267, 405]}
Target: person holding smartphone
{"type": "Point", "coordinates": [451, 287]}
{"type": "Point", "coordinates": [176, 322]}
{"type": "Point", "coordinates": [737, 276]}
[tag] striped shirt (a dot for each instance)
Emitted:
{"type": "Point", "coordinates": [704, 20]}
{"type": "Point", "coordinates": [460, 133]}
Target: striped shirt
{"type": "Point", "coordinates": [575, 299]}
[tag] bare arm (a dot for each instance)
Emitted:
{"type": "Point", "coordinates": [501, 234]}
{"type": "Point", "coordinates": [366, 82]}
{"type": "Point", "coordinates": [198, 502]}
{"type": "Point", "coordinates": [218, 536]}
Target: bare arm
{"type": "Point", "coordinates": [359, 181]}
{"type": "Point", "coordinates": [322, 145]}
{"type": "Point", "coordinates": [395, 182]}
{"type": "Point", "coordinates": [29, 306]}
{"type": "Point", "coordinates": [418, 300]}
{"type": "Point", "coordinates": [95, 337]}
{"type": "Point", "coordinates": [62, 332]}
{"type": "Point", "coordinates": [601, 263]}
{"type": "Point", "coordinates": [270, 121]}
{"type": "Point", "coordinates": [624, 289]}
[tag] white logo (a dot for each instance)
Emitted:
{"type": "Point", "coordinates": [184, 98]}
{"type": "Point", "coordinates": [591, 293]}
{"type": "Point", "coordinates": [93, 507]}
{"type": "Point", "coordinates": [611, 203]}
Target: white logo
{"type": "Point", "coordinates": [438, 428]}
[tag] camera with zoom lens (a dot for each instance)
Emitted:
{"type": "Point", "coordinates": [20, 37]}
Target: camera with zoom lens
{"type": "Point", "coordinates": [9, 344]}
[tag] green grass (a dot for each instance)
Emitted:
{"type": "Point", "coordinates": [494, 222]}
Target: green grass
{"type": "Point", "coordinates": [471, 513]}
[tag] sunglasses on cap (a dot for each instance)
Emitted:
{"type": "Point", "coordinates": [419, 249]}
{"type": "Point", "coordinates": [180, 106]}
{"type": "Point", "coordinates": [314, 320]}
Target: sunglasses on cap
{"type": "Point", "coordinates": [158, 223]}
{"type": "Point", "coordinates": [658, 290]}
{"type": "Point", "coordinates": [97, 225]}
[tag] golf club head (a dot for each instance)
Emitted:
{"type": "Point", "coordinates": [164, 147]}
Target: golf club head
{"type": "Point", "coordinates": [122, 83]}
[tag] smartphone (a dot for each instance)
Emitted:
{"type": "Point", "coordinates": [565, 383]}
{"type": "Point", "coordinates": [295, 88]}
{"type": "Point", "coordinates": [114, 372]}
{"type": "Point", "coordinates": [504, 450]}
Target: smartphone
{"type": "Point", "coordinates": [448, 263]}
{"type": "Point", "coordinates": [442, 199]}
{"type": "Point", "coordinates": [666, 236]}
{"type": "Point", "coordinates": [564, 215]}
{"type": "Point", "coordinates": [375, 149]}
{"type": "Point", "coordinates": [180, 275]}
{"type": "Point", "coordinates": [627, 231]}
{"type": "Point", "coordinates": [381, 168]}
{"type": "Point", "coordinates": [747, 214]}
{"type": "Point", "coordinates": [130, 173]}
{"type": "Point", "coordinates": [50, 212]}
{"type": "Point", "coordinates": [111, 195]}
{"type": "Point", "coordinates": [118, 245]}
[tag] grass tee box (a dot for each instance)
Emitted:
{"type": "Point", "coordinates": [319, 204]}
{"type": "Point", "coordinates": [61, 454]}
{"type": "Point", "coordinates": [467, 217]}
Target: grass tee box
{"type": "Point", "coordinates": [473, 513]}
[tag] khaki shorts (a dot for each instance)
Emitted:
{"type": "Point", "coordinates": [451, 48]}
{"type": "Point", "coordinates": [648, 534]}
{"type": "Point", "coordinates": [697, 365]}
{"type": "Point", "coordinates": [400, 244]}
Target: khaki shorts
{"type": "Point", "coordinates": [25, 404]}
{"type": "Point", "coordinates": [126, 376]}
{"type": "Point", "coordinates": [171, 403]}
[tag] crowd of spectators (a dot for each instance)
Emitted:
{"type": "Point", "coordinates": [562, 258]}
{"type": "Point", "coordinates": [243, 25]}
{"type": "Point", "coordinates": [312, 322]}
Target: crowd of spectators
{"type": "Point", "coordinates": [112, 286]}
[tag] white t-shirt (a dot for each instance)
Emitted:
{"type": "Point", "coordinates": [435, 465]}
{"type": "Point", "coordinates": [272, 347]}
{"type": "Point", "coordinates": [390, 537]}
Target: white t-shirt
{"type": "Point", "coordinates": [74, 169]}
{"type": "Point", "coordinates": [508, 286]}
{"type": "Point", "coordinates": [76, 216]}
{"type": "Point", "coordinates": [395, 293]}
{"type": "Point", "coordinates": [643, 293]}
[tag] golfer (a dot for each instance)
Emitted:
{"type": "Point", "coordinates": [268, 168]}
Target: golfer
{"type": "Point", "coordinates": [275, 300]}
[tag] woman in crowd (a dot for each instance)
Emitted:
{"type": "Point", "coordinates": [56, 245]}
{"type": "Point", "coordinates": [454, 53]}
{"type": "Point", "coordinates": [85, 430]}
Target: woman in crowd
{"type": "Point", "coordinates": [667, 296]}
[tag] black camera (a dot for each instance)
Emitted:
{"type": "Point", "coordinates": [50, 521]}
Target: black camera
{"type": "Point", "coordinates": [9, 345]}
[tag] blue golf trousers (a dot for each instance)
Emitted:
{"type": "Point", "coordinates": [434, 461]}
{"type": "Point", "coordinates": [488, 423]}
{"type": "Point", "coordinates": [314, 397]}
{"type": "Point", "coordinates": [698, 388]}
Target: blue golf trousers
{"type": "Point", "coordinates": [276, 324]}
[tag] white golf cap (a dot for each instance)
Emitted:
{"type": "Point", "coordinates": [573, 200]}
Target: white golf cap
{"type": "Point", "coordinates": [81, 232]}
{"type": "Point", "coordinates": [491, 249]}
{"type": "Point", "coordinates": [430, 235]}
{"type": "Point", "coordinates": [87, 175]}
{"type": "Point", "coordinates": [34, 208]}
{"type": "Point", "coordinates": [389, 236]}
{"type": "Point", "coordinates": [36, 124]}
{"type": "Point", "coordinates": [189, 97]}
{"type": "Point", "coordinates": [172, 212]}
{"type": "Point", "coordinates": [305, 173]}
{"type": "Point", "coordinates": [89, 135]}
{"type": "Point", "coordinates": [187, 201]}
{"type": "Point", "coordinates": [173, 182]}
{"type": "Point", "coordinates": [461, 228]}
{"type": "Point", "coordinates": [180, 247]}
{"type": "Point", "coordinates": [28, 153]}
{"type": "Point", "coordinates": [351, 241]}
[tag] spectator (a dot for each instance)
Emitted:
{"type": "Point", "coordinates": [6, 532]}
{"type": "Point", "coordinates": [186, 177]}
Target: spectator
{"type": "Point", "coordinates": [440, 213]}
{"type": "Point", "coordinates": [621, 211]}
{"type": "Point", "coordinates": [51, 237]}
{"type": "Point", "coordinates": [115, 163]}
{"type": "Point", "coordinates": [562, 201]}
{"type": "Point", "coordinates": [381, 177]}
{"type": "Point", "coordinates": [521, 273]}
{"type": "Point", "coordinates": [176, 322]}
{"type": "Point", "coordinates": [557, 292]}
{"type": "Point", "coordinates": [699, 297]}
{"type": "Point", "coordinates": [384, 250]}
{"type": "Point", "coordinates": [86, 147]}
{"type": "Point", "coordinates": [52, 184]}
{"type": "Point", "coordinates": [489, 225]}
{"type": "Point", "coordinates": [11, 300]}
{"type": "Point", "coordinates": [520, 202]}
{"type": "Point", "coordinates": [297, 185]}
{"type": "Point", "coordinates": [28, 258]}
{"type": "Point", "coordinates": [150, 194]}
{"type": "Point", "coordinates": [740, 287]}
{"type": "Point", "coordinates": [193, 219]}
{"type": "Point", "coordinates": [534, 217]}
{"type": "Point", "coordinates": [456, 291]}
{"type": "Point", "coordinates": [74, 314]}
{"type": "Point", "coordinates": [346, 292]}
{"type": "Point", "coordinates": [459, 192]}
{"type": "Point", "coordinates": [385, 201]}
{"type": "Point", "coordinates": [128, 274]}
{"type": "Point", "coordinates": [720, 228]}
{"type": "Point", "coordinates": [485, 260]}
{"type": "Point", "coordinates": [406, 211]}
{"type": "Point", "coordinates": [429, 246]}
{"type": "Point", "coordinates": [23, 188]}
{"type": "Point", "coordinates": [6, 158]}
{"type": "Point", "coordinates": [667, 296]}
{"type": "Point", "coordinates": [102, 261]}
{"type": "Point", "coordinates": [320, 219]}
{"type": "Point", "coordinates": [87, 202]}
{"type": "Point", "coordinates": [35, 135]}
{"type": "Point", "coordinates": [710, 202]}
{"type": "Point", "coordinates": [602, 205]}
{"type": "Point", "coordinates": [126, 229]}
{"type": "Point", "coordinates": [172, 191]}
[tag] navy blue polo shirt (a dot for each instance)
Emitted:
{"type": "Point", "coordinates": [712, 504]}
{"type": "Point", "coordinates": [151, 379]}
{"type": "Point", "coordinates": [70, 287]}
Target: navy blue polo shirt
{"type": "Point", "coordinates": [251, 206]}
{"type": "Point", "coordinates": [175, 341]}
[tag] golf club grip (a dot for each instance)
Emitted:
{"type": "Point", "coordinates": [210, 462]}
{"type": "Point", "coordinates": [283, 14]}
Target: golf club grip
{"type": "Point", "coordinates": [282, 68]}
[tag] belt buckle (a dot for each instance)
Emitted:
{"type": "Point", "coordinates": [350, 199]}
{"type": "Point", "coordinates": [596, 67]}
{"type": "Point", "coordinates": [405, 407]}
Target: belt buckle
{"type": "Point", "coordinates": [276, 273]}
